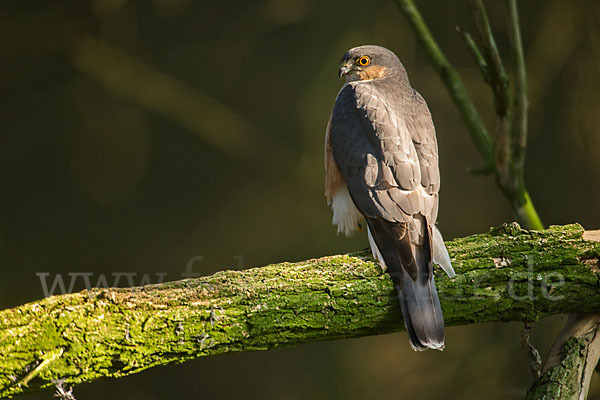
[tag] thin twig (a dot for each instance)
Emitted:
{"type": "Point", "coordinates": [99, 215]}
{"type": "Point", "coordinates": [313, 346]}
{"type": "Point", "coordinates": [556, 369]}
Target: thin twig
{"type": "Point", "coordinates": [476, 53]}
{"type": "Point", "coordinates": [520, 103]}
{"type": "Point", "coordinates": [498, 78]}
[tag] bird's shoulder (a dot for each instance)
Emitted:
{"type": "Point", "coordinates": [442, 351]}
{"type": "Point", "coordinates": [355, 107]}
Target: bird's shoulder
{"type": "Point", "coordinates": [390, 103]}
{"type": "Point", "coordinates": [361, 94]}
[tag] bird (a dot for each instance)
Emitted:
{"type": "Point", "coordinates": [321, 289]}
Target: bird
{"type": "Point", "coordinates": [381, 170]}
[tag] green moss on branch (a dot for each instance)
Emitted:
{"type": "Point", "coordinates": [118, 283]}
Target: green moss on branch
{"type": "Point", "coordinates": [568, 370]}
{"type": "Point", "coordinates": [505, 275]}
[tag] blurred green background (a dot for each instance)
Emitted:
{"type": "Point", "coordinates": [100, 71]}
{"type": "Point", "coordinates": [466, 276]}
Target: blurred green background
{"type": "Point", "coordinates": [136, 136]}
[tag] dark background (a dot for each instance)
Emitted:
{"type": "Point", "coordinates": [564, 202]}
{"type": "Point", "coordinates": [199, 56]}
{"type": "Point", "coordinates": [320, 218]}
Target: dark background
{"type": "Point", "coordinates": [137, 135]}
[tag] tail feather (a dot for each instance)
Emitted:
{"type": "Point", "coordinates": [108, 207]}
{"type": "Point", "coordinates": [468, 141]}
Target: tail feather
{"type": "Point", "coordinates": [414, 281]}
{"type": "Point", "coordinates": [422, 314]}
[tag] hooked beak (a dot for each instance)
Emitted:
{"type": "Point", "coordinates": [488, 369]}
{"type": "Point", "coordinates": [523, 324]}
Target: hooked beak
{"type": "Point", "coordinates": [344, 69]}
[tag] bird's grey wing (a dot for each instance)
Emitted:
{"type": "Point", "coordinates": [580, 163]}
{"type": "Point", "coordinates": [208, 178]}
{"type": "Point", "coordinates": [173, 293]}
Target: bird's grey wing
{"type": "Point", "coordinates": [378, 160]}
{"type": "Point", "coordinates": [375, 154]}
{"type": "Point", "coordinates": [422, 130]}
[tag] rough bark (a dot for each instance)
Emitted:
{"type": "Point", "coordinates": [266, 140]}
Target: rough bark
{"type": "Point", "coordinates": [574, 355]}
{"type": "Point", "coordinates": [571, 362]}
{"type": "Point", "coordinates": [507, 274]}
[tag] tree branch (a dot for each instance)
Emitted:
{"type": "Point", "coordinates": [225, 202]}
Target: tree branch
{"type": "Point", "coordinates": [570, 364]}
{"type": "Point", "coordinates": [508, 274]}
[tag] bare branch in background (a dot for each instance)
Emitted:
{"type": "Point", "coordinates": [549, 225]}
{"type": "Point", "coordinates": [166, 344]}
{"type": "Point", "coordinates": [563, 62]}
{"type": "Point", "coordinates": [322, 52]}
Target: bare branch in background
{"type": "Point", "coordinates": [520, 103]}
{"type": "Point", "coordinates": [476, 53]}
{"type": "Point", "coordinates": [499, 81]}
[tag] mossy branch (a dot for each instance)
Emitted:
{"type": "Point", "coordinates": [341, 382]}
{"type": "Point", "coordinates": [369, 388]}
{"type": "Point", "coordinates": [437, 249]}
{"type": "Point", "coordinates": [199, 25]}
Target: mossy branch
{"type": "Point", "coordinates": [568, 370]}
{"type": "Point", "coordinates": [508, 274]}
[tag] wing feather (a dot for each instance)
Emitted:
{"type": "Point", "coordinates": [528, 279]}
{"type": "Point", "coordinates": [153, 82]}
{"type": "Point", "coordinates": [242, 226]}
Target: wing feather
{"type": "Point", "coordinates": [386, 152]}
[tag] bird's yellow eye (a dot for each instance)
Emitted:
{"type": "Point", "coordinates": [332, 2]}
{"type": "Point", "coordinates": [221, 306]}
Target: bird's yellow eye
{"type": "Point", "coordinates": [363, 61]}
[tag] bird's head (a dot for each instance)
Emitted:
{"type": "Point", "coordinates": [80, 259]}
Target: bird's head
{"type": "Point", "coordinates": [369, 62]}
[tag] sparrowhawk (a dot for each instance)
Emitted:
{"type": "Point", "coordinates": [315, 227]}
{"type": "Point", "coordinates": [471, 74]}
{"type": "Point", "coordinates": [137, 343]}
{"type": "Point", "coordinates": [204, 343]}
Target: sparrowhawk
{"type": "Point", "coordinates": [381, 162]}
